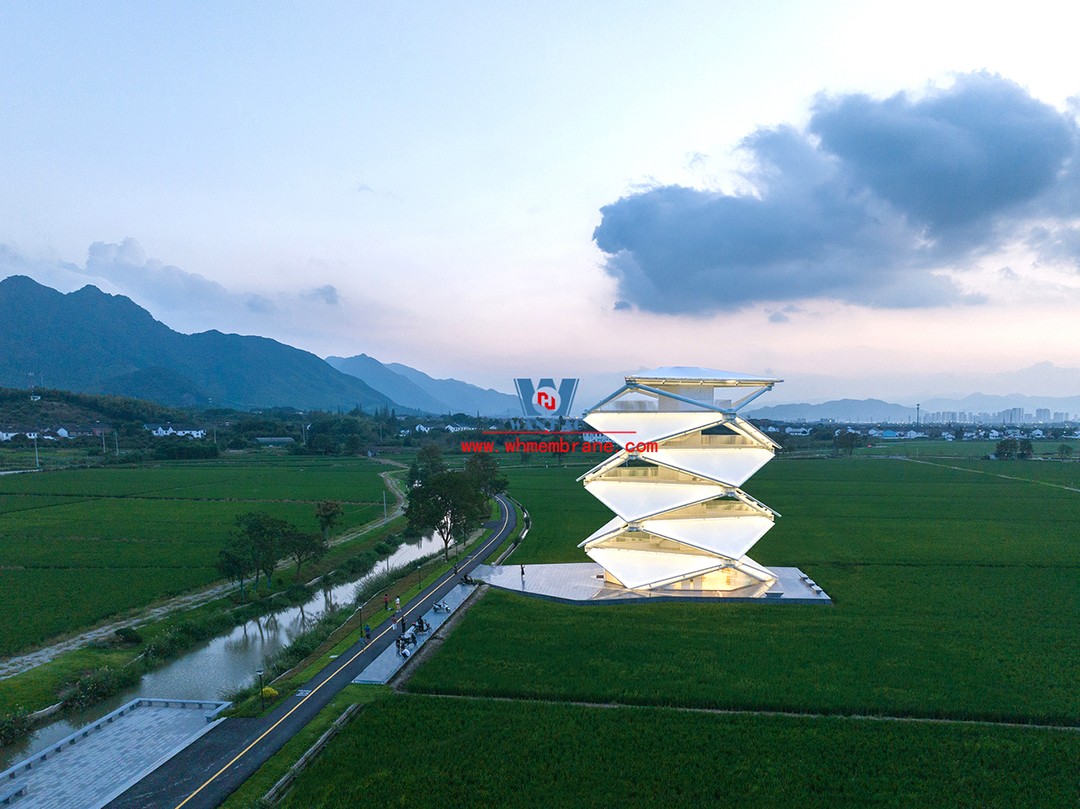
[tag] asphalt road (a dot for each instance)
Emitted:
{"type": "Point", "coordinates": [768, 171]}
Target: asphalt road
{"type": "Point", "coordinates": [216, 764]}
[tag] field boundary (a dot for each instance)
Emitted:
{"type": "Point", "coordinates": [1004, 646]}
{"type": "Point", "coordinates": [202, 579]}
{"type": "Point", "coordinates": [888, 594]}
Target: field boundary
{"type": "Point", "coordinates": [928, 720]}
{"type": "Point", "coordinates": [991, 474]}
{"type": "Point", "coordinates": [278, 790]}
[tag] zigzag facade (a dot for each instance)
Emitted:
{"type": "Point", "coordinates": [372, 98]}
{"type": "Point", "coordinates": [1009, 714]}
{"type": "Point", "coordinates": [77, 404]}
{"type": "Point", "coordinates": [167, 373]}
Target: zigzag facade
{"type": "Point", "coordinates": [682, 519]}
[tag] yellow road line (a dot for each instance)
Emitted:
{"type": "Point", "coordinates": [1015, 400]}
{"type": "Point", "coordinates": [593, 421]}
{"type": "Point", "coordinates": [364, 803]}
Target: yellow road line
{"type": "Point", "coordinates": [246, 750]}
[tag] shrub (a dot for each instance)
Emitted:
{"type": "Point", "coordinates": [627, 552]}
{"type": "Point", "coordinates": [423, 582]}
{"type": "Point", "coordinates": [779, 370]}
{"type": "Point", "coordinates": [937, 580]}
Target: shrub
{"type": "Point", "coordinates": [127, 634]}
{"type": "Point", "coordinates": [13, 726]}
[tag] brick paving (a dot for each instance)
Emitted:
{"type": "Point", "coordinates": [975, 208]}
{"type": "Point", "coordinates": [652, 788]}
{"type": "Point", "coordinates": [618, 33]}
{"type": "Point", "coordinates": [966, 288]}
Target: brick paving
{"type": "Point", "coordinates": [93, 765]}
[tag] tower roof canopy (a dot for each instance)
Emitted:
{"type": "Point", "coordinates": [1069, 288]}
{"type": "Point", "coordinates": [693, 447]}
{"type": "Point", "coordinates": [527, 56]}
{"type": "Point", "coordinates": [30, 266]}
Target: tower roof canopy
{"type": "Point", "coordinates": [687, 374]}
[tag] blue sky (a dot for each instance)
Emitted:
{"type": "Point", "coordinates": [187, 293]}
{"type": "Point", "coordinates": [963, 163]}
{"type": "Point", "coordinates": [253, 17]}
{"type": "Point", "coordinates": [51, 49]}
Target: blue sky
{"type": "Point", "coordinates": [858, 197]}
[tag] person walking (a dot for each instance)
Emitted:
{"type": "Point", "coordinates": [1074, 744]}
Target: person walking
{"type": "Point", "coordinates": [386, 602]}
{"type": "Point", "coordinates": [397, 603]}
{"type": "Point", "coordinates": [523, 572]}
{"type": "Point", "coordinates": [367, 631]}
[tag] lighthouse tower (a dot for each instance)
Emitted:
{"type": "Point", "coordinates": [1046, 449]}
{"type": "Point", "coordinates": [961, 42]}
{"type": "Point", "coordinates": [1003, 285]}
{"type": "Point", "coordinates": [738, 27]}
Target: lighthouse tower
{"type": "Point", "coordinates": [682, 520]}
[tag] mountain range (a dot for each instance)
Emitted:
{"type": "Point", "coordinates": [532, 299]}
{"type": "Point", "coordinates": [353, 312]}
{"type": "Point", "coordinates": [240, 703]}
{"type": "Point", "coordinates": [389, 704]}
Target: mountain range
{"type": "Point", "coordinates": [417, 390]}
{"type": "Point", "coordinates": [88, 341]}
{"type": "Point", "coordinates": [91, 342]}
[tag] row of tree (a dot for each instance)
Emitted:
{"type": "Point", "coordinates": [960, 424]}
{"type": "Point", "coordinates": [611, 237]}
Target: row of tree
{"type": "Point", "coordinates": [452, 503]}
{"type": "Point", "coordinates": [260, 542]}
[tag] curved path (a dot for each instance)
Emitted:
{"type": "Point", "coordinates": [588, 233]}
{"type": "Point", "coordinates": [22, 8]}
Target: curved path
{"type": "Point", "coordinates": [209, 770]}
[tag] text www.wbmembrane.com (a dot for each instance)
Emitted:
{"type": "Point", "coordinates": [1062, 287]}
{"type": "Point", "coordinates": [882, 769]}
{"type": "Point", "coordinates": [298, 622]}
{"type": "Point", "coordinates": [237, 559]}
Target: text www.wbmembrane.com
{"type": "Point", "coordinates": [558, 447]}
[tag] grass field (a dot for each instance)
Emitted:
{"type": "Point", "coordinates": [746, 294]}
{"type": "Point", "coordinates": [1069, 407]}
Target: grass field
{"type": "Point", "coordinates": [79, 545]}
{"type": "Point", "coordinates": [949, 589]}
{"type": "Point", "coordinates": [955, 599]}
{"type": "Point", "coordinates": [424, 751]}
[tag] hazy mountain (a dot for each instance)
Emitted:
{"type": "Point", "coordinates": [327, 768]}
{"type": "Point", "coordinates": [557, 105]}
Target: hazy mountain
{"type": "Point", "coordinates": [873, 411]}
{"type": "Point", "coordinates": [461, 397]}
{"type": "Point", "coordinates": [390, 383]}
{"type": "Point", "coordinates": [860, 411]}
{"type": "Point", "coordinates": [91, 342]}
{"type": "Point", "coordinates": [994, 403]}
{"type": "Point", "coordinates": [416, 389]}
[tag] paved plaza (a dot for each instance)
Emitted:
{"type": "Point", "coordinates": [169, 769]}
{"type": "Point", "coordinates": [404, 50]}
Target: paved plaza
{"type": "Point", "coordinates": [584, 582]}
{"type": "Point", "coordinates": [387, 664]}
{"type": "Point", "coordinates": [98, 762]}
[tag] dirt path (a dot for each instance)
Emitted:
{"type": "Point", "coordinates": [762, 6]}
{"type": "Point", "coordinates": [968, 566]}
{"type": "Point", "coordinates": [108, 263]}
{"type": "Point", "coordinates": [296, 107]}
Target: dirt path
{"type": "Point", "coordinates": [17, 665]}
{"type": "Point", "coordinates": [994, 474]}
{"type": "Point", "coordinates": [924, 720]}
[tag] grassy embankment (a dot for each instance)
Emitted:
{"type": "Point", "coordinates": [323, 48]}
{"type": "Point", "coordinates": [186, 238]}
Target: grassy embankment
{"type": "Point", "coordinates": [955, 599]}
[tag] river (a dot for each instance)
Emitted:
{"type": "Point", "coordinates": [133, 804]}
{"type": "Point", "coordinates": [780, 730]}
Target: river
{"type": "Point", "coordinates": [223, 663]}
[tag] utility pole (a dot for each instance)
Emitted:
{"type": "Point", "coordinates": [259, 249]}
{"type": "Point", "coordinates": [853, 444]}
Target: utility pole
{"type": "Point", "coordinates": [116, 442]}
{"type": "Point", "coordinates": [37, 460]}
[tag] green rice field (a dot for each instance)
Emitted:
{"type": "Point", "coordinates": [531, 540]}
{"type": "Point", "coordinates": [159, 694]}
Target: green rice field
{"type": "Point", "coordinates": [955, 595]}
{"type": "Point", "coordinates": [424, 751]}
{"type": "Point", "coordinates": [79, 545]}
{"type": "Point", "coordinates": [954, 602]}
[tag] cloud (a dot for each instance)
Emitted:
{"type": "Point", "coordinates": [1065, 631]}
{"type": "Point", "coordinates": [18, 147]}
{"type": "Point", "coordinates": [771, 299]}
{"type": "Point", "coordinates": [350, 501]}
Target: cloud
{"type": "Point", "coordinates": [260, 304]}
{"type": "Point", "coordinates": [953, 158]}
{"type": "Point", "coordinates": [783, 315]}
{"type": "Point", "coordinates": [866, 205]}
{"type": "Point", "coordinates": [187, 301]}
{"type": "Point", "coordinates": [127, 266]}
{"type": "Point", "coordinates": [328, 294]}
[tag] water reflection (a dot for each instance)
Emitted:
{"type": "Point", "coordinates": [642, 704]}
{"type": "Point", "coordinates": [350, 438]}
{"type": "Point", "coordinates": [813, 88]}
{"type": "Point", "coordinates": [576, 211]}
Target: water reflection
{"type": "Point", "coordinates": [222, 663]}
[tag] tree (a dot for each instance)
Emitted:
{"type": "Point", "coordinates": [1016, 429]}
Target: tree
{"type": "Point", "coordinates": [847, 441]}
{"type": "Point", "coordinates": [483, 468]}
{"type": "Point", "coordinates": [1064, 451]}
{"type": "Point", "coordinates": [235, 565]}
{"type": "Point", "coordinates": [449, 503]}
{"type": "Point", "coordinates": [427, 464]}
{"type": "Point", "coordinates": [1024, 449]}
{"type": "Point", "coordinates": [327, 512]}
{"type": "Point", "coordinates": [261, 536]}
{"type": "Point", "coordinates": [1006, 449]}
{"type": "Point", "coordinates": [304, 547]}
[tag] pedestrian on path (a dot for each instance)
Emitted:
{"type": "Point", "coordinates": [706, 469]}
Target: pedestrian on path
{"type": "Point", "coordinates": [523, 572]}
{"type": "Point", "coordinates": [403, 625]}
{"type": "Point", "coordinates": [367, 631]}
{"type": "Point", "coordinates": [386, 602]}
{"type": "Point", "coordinates": [397, 603]}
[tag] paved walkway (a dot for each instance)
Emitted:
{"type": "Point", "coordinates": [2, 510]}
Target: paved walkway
{"type": "Point", "coordinates": [584, 582]}
{"type": "Point", "coordinates": [389, 663]}
{"type": "Point", "coordinates": [208, 771]}
{"type": "Point", "coordinates": [93, 765]}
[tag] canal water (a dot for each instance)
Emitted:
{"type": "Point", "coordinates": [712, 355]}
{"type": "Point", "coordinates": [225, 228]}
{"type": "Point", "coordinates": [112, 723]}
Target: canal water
{"type": "Point", "coordinates": [223, 663]}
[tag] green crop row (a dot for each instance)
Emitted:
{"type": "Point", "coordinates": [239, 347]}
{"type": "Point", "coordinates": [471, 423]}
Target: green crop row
{"type": "Point", "coordinates": [933, 615]}
{"type": "Point", "coordinates": [423, 751]}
